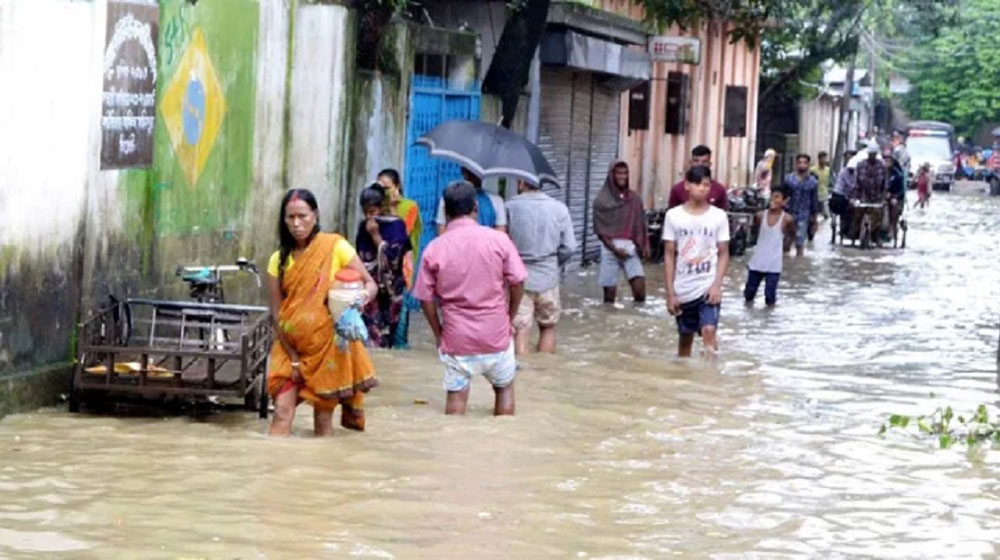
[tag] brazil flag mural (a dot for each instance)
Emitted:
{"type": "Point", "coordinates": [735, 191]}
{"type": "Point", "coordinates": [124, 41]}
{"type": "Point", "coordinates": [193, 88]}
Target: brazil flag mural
{"type": "Point", "coordinates": [203, 156]}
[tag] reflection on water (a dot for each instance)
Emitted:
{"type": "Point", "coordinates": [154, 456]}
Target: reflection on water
{"type": "Point", "coordinates": [618, 450]}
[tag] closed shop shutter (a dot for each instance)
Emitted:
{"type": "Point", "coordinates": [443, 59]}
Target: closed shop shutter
{"type": "Point", "coordinates": [604, 136]}
{"type": "Point", "coordinates": [578, 133]}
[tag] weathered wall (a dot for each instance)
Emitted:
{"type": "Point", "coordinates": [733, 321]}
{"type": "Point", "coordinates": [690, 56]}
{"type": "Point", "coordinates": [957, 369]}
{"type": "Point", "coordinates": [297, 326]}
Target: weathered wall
{"type": "Point", "coordinates": [661, 159]}
{"type": "Point", "coordinates": [378, 137]}
{"type": "Point", "coordinates": [322, 68]}
{"type": "Point", "coordinates": [49, 101]}
{"type": "Point", "coordinates": [280, 83]}
{"type": "Point", "coordinates": [819, 120]}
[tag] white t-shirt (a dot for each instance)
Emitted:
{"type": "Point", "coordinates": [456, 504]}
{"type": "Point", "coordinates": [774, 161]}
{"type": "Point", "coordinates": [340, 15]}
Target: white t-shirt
{"type": "Point", "coordinates": [498, 208]}
{"type": "Point", "coordinates": [697, 238]}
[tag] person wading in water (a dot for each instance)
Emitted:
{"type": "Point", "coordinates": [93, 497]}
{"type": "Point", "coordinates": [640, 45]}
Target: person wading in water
{"type": "Point", "coordinates": [620, 223]}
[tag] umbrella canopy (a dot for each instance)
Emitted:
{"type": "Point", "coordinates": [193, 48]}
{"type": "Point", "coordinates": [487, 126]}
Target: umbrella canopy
{"type": "Point", "coordinates": [996, 131]}
{"type": "Point", "coordinates": [489, 150]}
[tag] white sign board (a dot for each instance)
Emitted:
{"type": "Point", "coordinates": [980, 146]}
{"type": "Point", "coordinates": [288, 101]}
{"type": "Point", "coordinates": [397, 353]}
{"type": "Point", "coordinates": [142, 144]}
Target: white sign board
{"type": "Point", "coordinates": [686, 50]}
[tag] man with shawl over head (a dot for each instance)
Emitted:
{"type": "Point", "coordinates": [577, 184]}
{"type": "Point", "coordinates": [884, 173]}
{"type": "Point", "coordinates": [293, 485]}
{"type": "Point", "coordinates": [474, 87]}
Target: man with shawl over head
{"type": "Point", "coordinates": [620, 223]}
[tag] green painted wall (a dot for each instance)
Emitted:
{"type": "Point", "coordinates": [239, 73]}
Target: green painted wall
{"type": "Point", "coordinates": [215, 203]}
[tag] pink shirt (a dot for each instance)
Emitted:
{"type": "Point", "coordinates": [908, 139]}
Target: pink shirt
{"type": "Point", "coordinates": [466, 270]}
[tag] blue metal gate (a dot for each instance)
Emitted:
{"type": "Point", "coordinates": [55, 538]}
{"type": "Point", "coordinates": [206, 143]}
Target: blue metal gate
{"type": "Point", "coordinates": [425, 178]}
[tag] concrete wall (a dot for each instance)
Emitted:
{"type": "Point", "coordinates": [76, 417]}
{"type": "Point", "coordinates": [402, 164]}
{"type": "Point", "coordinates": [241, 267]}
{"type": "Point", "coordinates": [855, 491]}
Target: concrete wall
{"type": "Point", "coordinates": [379, 111]}
{"type": "Point", "coordinates": [70, 233]}
{"type": "Point", "coordinates": [660, 159]}
{"type": "Point", "coordinates": [49, 50]}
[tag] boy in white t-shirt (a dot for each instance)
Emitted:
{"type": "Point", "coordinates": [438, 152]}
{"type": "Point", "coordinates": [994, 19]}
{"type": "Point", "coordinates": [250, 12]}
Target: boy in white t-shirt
{"type": "Point", "coordinates": [696, 255]}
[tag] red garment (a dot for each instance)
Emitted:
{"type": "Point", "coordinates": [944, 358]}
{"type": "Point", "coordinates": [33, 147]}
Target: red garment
{"type": "Point", "coordinates": [718, 196]}
{"type": "Point", "coordinates": [923, 186]}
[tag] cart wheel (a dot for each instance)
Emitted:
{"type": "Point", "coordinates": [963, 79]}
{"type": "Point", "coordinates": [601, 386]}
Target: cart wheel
{"type": "Point", "coordinates": [739, 246]}
{"type": "Point", "coordinates": [75, 396]}
{"type": "Point", "coordinates": [262, 405]}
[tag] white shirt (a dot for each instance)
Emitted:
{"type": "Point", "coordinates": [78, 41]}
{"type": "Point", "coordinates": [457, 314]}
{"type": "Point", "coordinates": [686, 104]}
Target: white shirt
{"type": "Point", "coordinates": [697, 238]}
{"type": "Point", "coordinates": [498, 208]}
{"type": "Point", "coordinates": [770, 250]}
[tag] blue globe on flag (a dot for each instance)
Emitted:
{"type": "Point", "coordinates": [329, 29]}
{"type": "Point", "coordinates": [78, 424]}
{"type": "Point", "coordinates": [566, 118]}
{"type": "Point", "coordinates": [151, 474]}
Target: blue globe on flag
{"type": "Point", "coordinates": [194, 111]}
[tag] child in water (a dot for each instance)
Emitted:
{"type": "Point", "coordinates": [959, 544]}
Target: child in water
{"type": "Point", "coordinates": [766, 263]}
{"type": "Point", "coordinates": [924, 186]}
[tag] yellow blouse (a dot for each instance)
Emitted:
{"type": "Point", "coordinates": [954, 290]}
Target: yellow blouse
{"type": "Point", "coordinates": [343, 253]}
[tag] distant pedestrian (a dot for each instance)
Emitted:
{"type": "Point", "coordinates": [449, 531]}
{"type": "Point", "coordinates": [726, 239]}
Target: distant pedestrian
{"type": "Point", "coordinates": [763, 174]}
{"type": "Point", "coordinates": [409, 211]}
{"type": "Point", "coordinates": [696, 255]}
{"type": "Point", "coordinates": [473, 276]}
{"type": "Point", "coordinates": [620, 223]}
{"type": "Point", "coordinates": [901, 155]}
{"type": "Point", "coordinates": [768, 255]}
{"type": "Point", "coordinates": [823, 175]}
{"type": "Point", "coordinates": [802, 188]}
{"type": "Point", "coordinates": [924, 186]}
{"type": "Point", "coordinates": [492, 213]}
{"type": "Point", "coordinates": [871, 178]}
{"type": "Point", "coordinates": [718, 195]}
{"type": "Point", "coordinates": [843, 189]}
{"type": "Point", "coordinates": [896, 194]}
{"type": "Point", "coordinates": [542, 231]}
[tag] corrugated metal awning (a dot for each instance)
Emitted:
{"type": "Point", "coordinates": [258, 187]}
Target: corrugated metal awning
{"type": "Point", "coordinates": [575, 50]}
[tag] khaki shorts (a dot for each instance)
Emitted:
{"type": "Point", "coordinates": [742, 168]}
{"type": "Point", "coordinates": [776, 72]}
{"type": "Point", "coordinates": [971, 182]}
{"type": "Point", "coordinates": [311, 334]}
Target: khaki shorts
{"type": "Point", "coordinates": [538, 306]}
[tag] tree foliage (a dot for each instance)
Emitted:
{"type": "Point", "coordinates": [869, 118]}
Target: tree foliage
{"type": "Point", "coordinates": [373, 19]}
{"type": "Point", "coordinates": [956, 76]}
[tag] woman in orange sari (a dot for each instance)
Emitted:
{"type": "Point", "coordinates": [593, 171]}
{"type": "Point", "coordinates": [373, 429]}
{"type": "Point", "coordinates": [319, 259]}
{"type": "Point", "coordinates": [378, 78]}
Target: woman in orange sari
{"type": "Point", "coordinates": [306, 362]}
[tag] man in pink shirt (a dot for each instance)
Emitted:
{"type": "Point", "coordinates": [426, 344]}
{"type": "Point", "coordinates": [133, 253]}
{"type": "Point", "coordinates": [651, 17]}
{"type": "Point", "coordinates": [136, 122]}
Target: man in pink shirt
{"type": "Point", "coordinates": [718, 195]}
{"type": "Point", "coordinates": [467, 272]}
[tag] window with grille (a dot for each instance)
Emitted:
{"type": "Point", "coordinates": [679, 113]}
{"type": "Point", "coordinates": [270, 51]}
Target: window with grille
{"type": "Point", "coordinates": [678, 87]}
{"type": "Point", "coordinates": [736, 111]}
{"type": "Point", "coordinates": [638, 107]}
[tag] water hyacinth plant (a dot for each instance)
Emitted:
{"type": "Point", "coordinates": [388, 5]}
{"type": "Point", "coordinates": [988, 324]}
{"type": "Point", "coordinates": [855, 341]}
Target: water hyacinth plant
{"type": "Point", "coordinates": [948, 429]}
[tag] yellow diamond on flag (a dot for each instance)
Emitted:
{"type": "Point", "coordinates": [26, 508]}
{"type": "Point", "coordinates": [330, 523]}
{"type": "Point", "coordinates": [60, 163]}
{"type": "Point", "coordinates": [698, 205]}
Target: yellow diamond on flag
{"type": "Point", "coordinates": [193, 108]}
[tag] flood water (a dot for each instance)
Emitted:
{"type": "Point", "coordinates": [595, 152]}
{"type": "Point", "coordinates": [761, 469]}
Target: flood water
{"type": "Point", "coordinates": [618, 450]}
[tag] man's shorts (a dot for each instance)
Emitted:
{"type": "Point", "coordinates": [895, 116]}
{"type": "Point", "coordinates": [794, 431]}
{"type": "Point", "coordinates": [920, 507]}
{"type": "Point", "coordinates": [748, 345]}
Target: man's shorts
{"type": "Point", "coordinates": [801, 231]}
{"type": "Point", "coordinates": [499, 369]}
{"type": "Point", "coordinates": [607, 276]}
{"type": "Point", "coordinates": [538, 306]}
{"type": "Point", "coordinates": [696, 315]}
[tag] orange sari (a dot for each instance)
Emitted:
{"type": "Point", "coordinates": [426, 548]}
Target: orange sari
{"type": "Point", "coordinates": [330, 376]}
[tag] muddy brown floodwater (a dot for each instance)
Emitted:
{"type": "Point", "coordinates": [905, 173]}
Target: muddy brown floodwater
{"type": "Point", "coordinates": [618, 450]}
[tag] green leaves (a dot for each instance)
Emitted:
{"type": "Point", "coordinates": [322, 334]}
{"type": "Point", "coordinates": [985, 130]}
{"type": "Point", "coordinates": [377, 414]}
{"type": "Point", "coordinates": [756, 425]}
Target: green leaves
{"type": "Point", "coordinates": [976, 429]}
{"type": "Point", "coordinates": [955, 74]}
{"type": "Point", "coordinates": [899, 421]}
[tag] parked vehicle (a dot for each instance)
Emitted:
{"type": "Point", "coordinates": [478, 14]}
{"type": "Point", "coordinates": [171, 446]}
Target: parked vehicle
{"type": "Point", "coordinates": [934, 143]}
{"type": "Point", "coordinates": [744, 204]}
{"type": "Point", "coordinates": [864, 222]}
{"type": "Point", "coordinates": [193, 352]}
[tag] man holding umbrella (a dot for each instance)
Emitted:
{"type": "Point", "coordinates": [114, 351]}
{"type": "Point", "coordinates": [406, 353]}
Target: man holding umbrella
{"type": "Point", "coordinates": [485, 150]}
{"type": "Point", "coordinates": [492, 213]}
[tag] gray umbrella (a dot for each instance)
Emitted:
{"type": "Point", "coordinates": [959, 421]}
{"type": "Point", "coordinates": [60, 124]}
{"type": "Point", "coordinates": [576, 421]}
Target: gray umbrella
{"type": "Point", "coordinates": [489, 150]}
{"type": "Point", "coordinates": [996, 131]}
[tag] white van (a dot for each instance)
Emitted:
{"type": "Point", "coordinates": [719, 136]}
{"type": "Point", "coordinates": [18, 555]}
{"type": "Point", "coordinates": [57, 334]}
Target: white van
{"type": "Point", "coordinates": [934, 143]}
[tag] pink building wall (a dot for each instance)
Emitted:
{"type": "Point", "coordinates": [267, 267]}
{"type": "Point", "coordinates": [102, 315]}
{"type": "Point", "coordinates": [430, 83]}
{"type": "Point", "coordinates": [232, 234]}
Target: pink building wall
{"type": "Point", "coordinates": [658, 159]}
